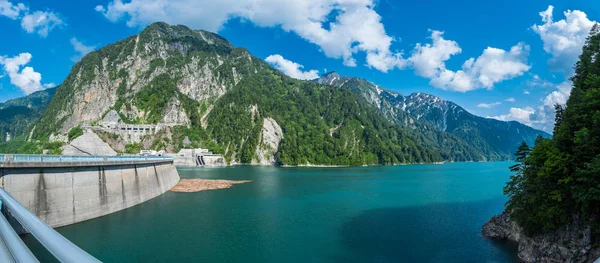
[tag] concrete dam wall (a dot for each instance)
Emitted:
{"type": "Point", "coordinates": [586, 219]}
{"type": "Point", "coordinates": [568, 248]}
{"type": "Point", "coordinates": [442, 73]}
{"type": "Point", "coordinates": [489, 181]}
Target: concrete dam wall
{"type": "Point", "coordinates": [62, 196]}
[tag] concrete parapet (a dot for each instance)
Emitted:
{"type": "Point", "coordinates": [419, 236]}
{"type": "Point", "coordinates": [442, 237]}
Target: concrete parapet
{"type": "Point", "coordinates": [65, 195]}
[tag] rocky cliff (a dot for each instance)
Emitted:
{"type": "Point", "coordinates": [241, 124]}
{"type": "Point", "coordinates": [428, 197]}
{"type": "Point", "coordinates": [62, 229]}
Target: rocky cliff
{"type": "Point", "coordinates": [160, 75]}
{"type": "Point", "coordinates": [572, 243]}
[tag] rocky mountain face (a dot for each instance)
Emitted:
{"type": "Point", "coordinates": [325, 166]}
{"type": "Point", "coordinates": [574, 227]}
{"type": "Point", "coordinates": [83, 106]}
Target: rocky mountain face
{"type": "Point", "coordinates": [571, 243]}
{"type": "Point", "coordinates": [19, 114]}
{"type": "Point", "coordinates": [199, 86]}
{"type": "Point", "coordinates": [161, 75]}
{"type": "Point", "coordinates": [420, 111]}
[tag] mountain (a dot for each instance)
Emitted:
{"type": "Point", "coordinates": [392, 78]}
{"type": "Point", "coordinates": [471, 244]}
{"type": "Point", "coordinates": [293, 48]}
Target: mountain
{"type": "Point", "coordinates": [420, 111]}
{"type": "Point", "coordinates": [18, 114]}
{"type": "Point", "coordinates": [194, 84]}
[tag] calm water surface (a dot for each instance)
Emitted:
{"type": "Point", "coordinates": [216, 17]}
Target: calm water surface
{"type": "Point", "coordinates": [414, 213]}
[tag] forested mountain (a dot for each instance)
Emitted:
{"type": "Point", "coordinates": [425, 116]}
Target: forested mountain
{"type": "Point", "coordinates": [554, 196]}
{"type": "Point", "coordinates": [420, 111]}
{"type": "Point", "coordinates": [18, 114]}
{"type": "Point", "coordinates": [223, 98]}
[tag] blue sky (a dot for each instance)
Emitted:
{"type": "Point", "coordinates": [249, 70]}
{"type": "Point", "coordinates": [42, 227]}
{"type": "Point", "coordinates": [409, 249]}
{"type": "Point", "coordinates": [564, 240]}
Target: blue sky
{"type": "Point", "coordinates": [413, 47]}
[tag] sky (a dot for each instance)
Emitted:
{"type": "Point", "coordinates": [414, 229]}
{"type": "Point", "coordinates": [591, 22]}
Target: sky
{"type": "Point", "coordinates": [509, 60]}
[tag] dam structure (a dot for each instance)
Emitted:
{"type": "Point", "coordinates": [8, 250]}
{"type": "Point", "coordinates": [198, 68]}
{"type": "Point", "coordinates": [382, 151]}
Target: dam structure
{"type": "Point", "coordinates": [63, 190]}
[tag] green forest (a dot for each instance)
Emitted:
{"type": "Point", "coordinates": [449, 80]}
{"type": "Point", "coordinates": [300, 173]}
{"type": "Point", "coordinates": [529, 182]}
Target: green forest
{"type": "Point", "coordinates": [558, 179]}
{"type": "Point", "coordinates": [306, 111]}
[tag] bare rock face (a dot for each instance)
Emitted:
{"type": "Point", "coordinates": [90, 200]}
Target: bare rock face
{"type": "Point", "coordinates": [112, 78]}
{"type": "Point", "coordinates": [88, 144]}
{"type": "Point", "coordinates": [174, 113]}
{"type": "Point", "coordinates": [269, 142]}
{"type": "Point", "coordinates": [572, 243]}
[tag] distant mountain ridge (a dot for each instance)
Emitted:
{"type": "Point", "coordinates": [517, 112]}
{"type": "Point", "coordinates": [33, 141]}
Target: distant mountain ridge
{"type": "Point", "coordinates": [421, 110]}
{"type": "Point", "coordinates": [17, 115]}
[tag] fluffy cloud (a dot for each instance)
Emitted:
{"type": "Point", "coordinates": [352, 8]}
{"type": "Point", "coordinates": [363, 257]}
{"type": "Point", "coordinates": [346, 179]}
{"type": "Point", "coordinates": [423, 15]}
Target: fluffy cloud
{"type": "Point", "coordinates": [40, 22]}
{"type": "Point", "coordinates": [340, 28]}
{"type": "Point", "coordinates": [560, 96]}
{"type": "Point", "coordinates": [80, 49]}
{"type": "Point", "coordinates": [488, 105]}
{"type": "Point", "coordinates": [522, 115]}
{"type": "Point", "coordinates": [541, 117]}
{"type": "Point", "coordinates": [526, 92]}
{"type": "Point", "coordinates": [11, 10]}
{"type": "Point", "coordinates": [25, 78]}
{"type": "Point", "coordinates": [493, 66]}
{"type": "Point", "coordinates": [510, 100]}
{"type": "Point", "coordinates": [291, 68]}
{"type": "Point", "coordinates": [563, 39]}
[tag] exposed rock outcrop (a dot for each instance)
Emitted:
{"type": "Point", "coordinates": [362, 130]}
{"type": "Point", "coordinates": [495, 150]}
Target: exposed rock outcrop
{"type": "Point", "coordinates": [174, 113]}
{"type": "Point", "coordinates": [572, 243]}
{"type": "Point", "coordinates": [269, 142]}
{"type": "Point", "coordinates": [88, 144]}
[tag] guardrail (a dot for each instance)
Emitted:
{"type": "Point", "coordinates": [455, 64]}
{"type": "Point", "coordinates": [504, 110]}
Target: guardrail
{"type": "Point", "coordinates": [60, 247]}
{"type": "Point", "coordinates": [31, 158]}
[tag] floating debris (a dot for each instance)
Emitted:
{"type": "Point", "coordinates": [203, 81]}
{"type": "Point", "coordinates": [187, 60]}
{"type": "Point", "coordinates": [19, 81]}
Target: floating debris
{"type": "Point", "coordinates": [197, 185]}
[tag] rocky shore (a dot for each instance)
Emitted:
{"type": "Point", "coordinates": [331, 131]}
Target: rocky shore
{"type": "Point", "coordinates": [572, 243]}
{"type": "Point", "coordinates": [197, 185]}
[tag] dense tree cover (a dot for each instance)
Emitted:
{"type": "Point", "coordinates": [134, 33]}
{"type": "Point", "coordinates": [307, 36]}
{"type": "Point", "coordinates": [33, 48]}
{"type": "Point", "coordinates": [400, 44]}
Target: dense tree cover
{"type": "Point", "coordinates": [17, 115]}
{"type": "Point", "coordinates": [321, 124]}
{"type": "Point", "coordinates": [440, 122]}
{"type": "Point", "coordinates": [21, 146]}
{"type": "Point", "coordinates": [74, 133]}
{"type": "Point", "coordinates": [133, 148]}
{"type": "Point", "coordinates": [560, 177]}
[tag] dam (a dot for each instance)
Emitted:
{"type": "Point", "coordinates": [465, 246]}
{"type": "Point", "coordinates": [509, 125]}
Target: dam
{"type": "Point", "coordinates": [63, 190]}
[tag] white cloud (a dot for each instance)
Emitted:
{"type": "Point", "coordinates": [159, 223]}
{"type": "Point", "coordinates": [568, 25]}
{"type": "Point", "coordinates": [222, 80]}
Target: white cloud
{"type": "Point", "coordinates": [429, 59]}
{"type": "Point", "coordinates": [40, 22]}
{"type": "Point", "coordinates": [25, 78]}
{"type": "Point", "coordinates": [526, 92]}
{"type": "Point", "coordinates": [80, 49]}
{"type": "Point", "coordinates": [522, 115]}
{"type": "Point", "coordinates": [560, 96]}
{"type": "Point", "coordinates": [510, 100]}
{"type": "Point", "coordinates": [563, 39]}
{"type": "Point", "coordinates": [541, 117]}
{"type": "Point", "coordinates": [340, 28]}
{"type": "Point", "coordinates": [536, 81]}
{"type": "Point", "coordinates": [291, 68]}
{"type": "Point", "coordinates": [11, 10]}
{"type": "Point", "coordinates": [488, 105]}
{"type": "Point", "coordinates": [493, 66]}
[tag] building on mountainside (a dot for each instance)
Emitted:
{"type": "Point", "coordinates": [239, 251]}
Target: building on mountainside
{"type": "Point", "coordinates": [198, 157]}
{"type": "Point", "coordinates": [8, 137]}
{"type": "Point", "coordinates": [132, 133]}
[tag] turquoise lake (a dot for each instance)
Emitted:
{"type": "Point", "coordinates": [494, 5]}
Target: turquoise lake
{"type": "Point", "coordinates": [412, 213]}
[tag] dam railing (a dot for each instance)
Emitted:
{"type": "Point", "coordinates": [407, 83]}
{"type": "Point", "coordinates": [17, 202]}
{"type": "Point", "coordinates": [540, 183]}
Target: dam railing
{"type": "Point", "coordinates": [32, 160]}
{"type": "Point", "coordinates": [12, 248]}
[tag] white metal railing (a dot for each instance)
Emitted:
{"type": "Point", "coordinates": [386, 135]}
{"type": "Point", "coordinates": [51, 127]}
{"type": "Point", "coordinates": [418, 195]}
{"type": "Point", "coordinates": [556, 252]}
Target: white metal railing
{"type": "Point", "coordinates": [32, 158]}
{"type": "Point", "coordinates": [60, 247]}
